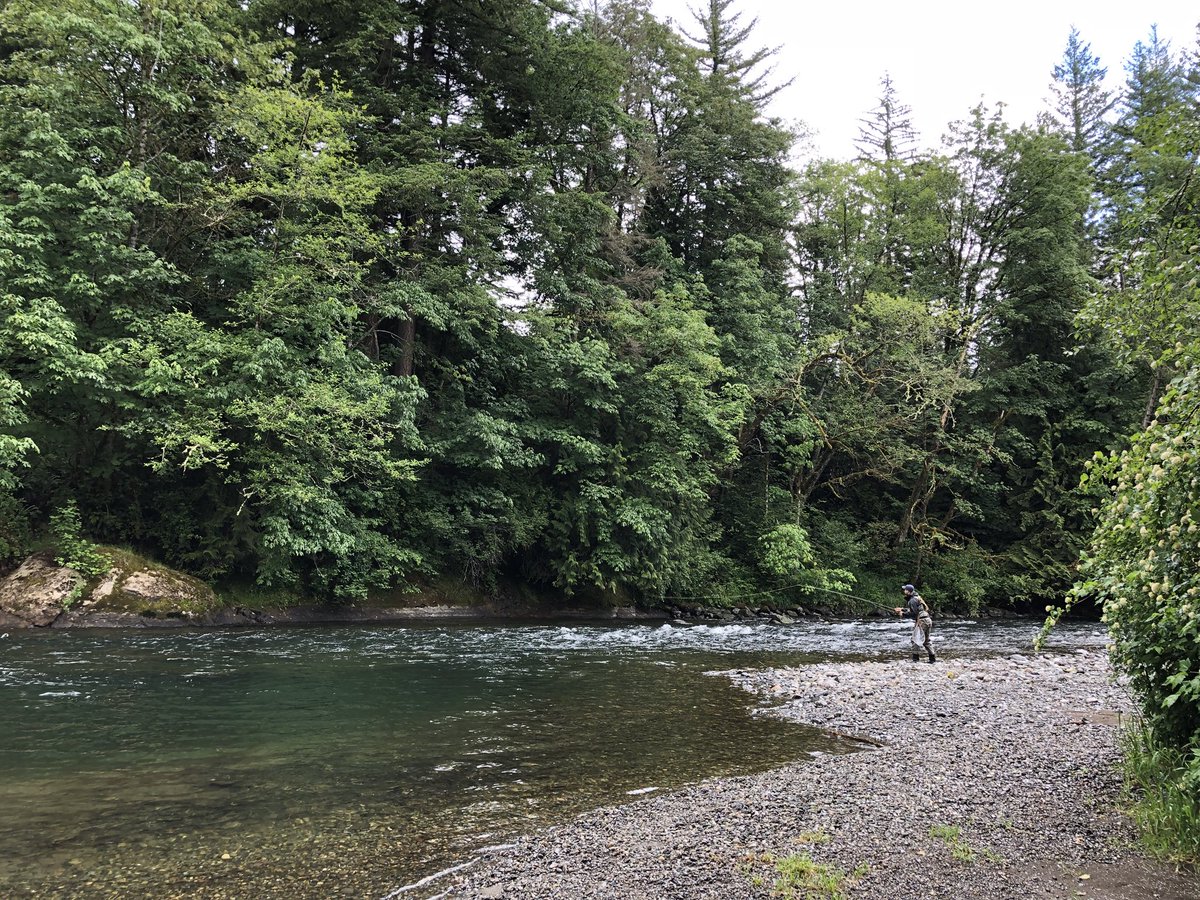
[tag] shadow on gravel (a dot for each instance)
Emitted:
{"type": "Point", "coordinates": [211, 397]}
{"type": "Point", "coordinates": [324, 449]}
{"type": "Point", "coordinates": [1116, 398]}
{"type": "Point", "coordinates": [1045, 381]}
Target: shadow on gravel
{"type": "Point", "coordinates": [1129, 881]}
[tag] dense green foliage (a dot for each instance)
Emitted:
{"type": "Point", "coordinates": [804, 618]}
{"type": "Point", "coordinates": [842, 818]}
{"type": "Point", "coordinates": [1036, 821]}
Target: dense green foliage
{"type": "Point", "coordinates": [1143, 560]}
{"type": "Point", "coordinates": [344, 298]}
{"type": "Point", "coordinates": [75, 551]}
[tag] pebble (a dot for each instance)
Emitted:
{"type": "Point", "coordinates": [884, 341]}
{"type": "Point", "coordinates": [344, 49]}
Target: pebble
{"type": "Point", "coordinates": [977, 744]}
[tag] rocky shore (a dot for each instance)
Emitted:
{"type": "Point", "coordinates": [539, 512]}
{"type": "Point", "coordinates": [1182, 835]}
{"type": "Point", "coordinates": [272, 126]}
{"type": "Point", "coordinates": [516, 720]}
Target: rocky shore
{"type": "Point", "coordinates": [977, 779]}
{"type": "Point", "coordinates": [138, 593]}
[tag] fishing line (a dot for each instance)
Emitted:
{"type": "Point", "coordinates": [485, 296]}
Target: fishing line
{"type": "Point", "coordinates": [790, 587]}
{"type": "Point", "coordinates": [855, 597]}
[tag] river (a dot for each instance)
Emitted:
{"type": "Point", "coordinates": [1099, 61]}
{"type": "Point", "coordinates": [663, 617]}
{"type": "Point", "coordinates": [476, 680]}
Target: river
{"type": "Point", "coordinates": [352, 761]}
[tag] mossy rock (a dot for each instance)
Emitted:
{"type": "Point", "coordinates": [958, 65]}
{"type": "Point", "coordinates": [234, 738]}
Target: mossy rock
{"type": "Point", "coordinates": [134, 584]}
{"type": "Point", "coordinates": [39, 591]}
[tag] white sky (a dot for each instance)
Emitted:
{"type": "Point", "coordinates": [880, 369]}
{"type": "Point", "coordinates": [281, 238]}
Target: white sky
{"type": "Point", "coordinates": [943, 55]}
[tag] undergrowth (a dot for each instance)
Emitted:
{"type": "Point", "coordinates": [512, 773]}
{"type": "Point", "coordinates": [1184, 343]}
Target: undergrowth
{"type": "Point", "coordinates": [1164, 784]}
{"type": "Point", "coordinates": [798, 877]}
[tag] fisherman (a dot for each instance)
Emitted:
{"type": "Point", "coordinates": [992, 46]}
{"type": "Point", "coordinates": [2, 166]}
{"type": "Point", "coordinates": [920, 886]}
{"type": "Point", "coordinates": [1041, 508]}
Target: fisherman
{"type": "Point", "coordinates": [915, 608]}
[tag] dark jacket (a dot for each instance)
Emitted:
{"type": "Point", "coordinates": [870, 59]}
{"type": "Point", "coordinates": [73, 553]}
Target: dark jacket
{"type": "Point", "coordinates": [916, 608]}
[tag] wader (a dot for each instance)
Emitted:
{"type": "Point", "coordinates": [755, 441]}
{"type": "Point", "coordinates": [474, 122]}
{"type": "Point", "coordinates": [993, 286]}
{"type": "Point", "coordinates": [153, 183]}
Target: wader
{"type": "Point", "coordinates": [921, 640]}
{"type": "Point", "coordinates": [922, 627]}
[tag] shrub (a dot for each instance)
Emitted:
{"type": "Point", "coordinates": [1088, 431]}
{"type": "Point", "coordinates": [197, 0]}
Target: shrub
{"type": "Point", "coordinates": [1143, 565]}
{"type": "Point", "coordinates": [75, 551]}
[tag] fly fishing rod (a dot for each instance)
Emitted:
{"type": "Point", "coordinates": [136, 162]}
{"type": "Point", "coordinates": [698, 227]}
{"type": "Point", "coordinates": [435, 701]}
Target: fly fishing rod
{"type": "Point", "coordinates": [790, 587]}
{"type": "Point", "coordinates": [852, 597]}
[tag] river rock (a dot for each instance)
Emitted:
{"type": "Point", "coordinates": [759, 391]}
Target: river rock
{"type": "Point", "coordinates": [132, 592]}
{"type": "Point", "coordinates": [8, 620]}
{"type": "Point", "coordinates": [155, 585]}
{"type": "Point", "coordinates": [105, 588]}
{"type": "Point", "coordinates": [39, 590]}
{"type": "Point", "coordinates": [1010, 761]}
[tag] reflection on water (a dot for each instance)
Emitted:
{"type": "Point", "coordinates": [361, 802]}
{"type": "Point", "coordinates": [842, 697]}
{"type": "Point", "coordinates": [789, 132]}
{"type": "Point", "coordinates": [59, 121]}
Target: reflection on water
{"type": "Point", "coordinates": [346, 761]}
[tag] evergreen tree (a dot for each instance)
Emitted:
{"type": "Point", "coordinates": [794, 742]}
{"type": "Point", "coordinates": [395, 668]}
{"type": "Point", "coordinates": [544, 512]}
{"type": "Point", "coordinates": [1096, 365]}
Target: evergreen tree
{"type": "Point", "coordinates": [1059, 399]}
{"type": "Point", "coordinates": [1152, 104]}
{"type": "Point", "coordinates": [722, 41]}
{"type": "Point", "coordinates": [1147, 186]}
{"type": "Point", "coordinates": [724, 165]}
{"type": "Point", "coordinates": [888, 133]}
{"type": "Point", "coordinates": [1155, 84]}
{"type": "Point", "coordinates": [1081, 102]}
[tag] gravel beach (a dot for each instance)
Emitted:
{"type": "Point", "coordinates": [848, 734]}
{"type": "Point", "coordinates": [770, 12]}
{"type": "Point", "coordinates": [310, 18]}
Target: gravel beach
{"type": "Point", "coordinates": [977, 779]}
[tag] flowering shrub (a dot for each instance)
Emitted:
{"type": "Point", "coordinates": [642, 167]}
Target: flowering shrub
{"type": "Point", "coordinates": [1144, 564]}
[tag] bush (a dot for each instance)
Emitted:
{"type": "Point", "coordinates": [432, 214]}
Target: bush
{"type": "Point", "coordinates": [1143, 565]}
{"type": "Point", "coordinates": [75, 551]}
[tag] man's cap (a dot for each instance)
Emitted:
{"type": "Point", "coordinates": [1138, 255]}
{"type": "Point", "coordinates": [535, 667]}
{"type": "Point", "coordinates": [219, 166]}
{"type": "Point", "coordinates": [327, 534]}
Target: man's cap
{"type": "Point", "coordinates": [908, 587]}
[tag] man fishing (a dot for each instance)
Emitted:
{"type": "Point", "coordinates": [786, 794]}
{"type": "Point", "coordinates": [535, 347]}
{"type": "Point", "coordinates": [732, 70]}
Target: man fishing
{"type": "Point", "coordinates": [915, 608]}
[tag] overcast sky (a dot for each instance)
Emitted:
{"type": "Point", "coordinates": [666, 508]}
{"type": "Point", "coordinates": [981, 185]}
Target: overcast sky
{"type": "Point", "coordinates": [943, 55]}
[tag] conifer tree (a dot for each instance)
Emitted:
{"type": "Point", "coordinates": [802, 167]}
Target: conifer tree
{"type": "Point", "coordinates": [1081, 102]}
{"type": "Point", "coordinates": [1155, 84]}
{"type": "Point", "coordinates": [887, 133]}
{"type": "Point", "coordinates": [1147, 185]}
{"type": "Point", "coordinates": [722, 42]}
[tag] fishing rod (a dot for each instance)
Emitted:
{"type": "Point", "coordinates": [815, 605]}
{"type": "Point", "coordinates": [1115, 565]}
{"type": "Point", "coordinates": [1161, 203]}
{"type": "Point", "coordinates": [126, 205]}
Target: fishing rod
{"type": "Point", "coordinates": [790, 587]}
{"type": "Point", "coordinates": [853, 597]}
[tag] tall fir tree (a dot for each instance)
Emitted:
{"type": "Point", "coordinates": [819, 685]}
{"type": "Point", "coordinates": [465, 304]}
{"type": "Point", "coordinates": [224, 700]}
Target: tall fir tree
{"type": "Point", "coordinates": [887, 133]}
{"type": "Point", "coordinates": [1081, 102]}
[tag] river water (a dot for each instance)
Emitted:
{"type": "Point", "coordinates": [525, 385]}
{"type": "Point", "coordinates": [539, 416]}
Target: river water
{"type": "Point", "coordinates": [352, 761]}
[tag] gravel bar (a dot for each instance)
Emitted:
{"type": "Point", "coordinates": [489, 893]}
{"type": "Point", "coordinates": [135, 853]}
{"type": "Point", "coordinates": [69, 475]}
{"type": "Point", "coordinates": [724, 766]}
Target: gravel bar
{"type": "Point", "coordinates": [979, 778]}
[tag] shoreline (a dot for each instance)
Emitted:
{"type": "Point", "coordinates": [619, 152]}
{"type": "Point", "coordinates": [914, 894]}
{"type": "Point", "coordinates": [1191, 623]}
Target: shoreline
{"type": "Point", "coordinates": [243, 616]}
{"type": "Point", "coordinates": [136, 592]}
{"type": "Point", "coordinates": [994, 778]}
{"type": "Point", "coordinates": [139, 593]}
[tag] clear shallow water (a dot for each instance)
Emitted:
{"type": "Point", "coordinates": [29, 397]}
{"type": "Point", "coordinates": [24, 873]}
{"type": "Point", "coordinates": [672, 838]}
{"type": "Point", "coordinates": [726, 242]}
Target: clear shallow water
{"type": "Point", "coordinates": [348, 761]}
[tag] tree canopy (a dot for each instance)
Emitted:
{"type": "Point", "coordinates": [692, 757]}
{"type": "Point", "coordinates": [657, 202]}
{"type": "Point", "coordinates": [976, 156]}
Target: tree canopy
{"type": "Point", "coordinates": [342, 299]}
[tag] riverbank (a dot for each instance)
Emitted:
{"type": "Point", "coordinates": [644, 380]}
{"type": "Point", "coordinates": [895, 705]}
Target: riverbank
{"type": "Point", "coordinates": [981, 779]}
{"type": "Point", "coordinates": [136, 592]}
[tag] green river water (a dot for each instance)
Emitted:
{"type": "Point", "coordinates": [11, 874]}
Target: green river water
{"type": "Point", "coordinates": [351, 761]}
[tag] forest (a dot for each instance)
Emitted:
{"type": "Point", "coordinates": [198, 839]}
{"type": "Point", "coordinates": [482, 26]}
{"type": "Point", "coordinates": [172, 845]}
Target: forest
{"type": "Point", "coordinates": [344, 298]}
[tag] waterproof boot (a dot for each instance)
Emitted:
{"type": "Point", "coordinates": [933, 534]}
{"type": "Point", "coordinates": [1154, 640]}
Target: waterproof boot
{"type": "Point", "coordinates": [932, 657]}
{"type": "Point", "coordinates": [916, 657]}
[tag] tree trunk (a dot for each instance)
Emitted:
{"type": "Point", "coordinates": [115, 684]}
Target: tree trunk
{"type": "Point", "coordinates": [408, 342]}
{"type": "Point", "coordinates": [1152, 400]}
